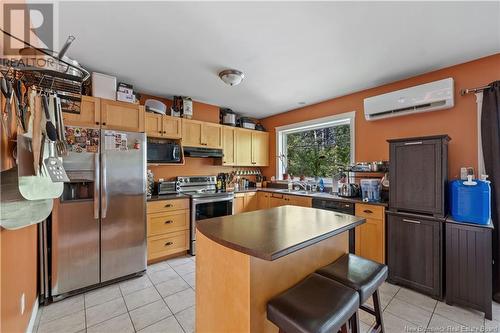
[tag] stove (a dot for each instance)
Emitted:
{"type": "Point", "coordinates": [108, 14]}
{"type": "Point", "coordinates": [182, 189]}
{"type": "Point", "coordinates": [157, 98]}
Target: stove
{"type": "Point", "coordinates": [206, 202]}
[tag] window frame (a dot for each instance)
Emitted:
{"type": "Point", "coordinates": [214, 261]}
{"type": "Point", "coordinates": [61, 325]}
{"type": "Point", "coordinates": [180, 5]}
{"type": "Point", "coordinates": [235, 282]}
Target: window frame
{"type": "Point", "coordinates": [338, 119]}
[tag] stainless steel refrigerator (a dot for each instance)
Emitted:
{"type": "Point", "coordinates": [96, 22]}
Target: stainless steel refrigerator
{"type": "Point", "coordinates": [98, 228]}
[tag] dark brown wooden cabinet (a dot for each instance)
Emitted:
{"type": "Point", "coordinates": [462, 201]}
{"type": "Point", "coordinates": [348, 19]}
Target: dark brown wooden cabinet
{"type": "Point", "coordinates": [468, 266]}
{"type": "Point", "coordinates": [415, 250]}
{"type": "Point", "coordinates": [419, 172]}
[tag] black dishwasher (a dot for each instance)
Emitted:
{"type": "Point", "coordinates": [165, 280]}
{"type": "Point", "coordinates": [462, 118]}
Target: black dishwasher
{"type": "Point", "coordinates": [339, 207]}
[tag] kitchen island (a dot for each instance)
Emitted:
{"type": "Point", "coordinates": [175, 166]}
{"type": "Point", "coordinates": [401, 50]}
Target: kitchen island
{"type": "Point", "coordinates": [246, 259]}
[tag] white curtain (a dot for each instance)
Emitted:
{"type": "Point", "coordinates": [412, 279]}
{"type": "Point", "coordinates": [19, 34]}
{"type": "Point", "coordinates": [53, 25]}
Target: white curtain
{"type": "Point", "coordinates": [480, 157]}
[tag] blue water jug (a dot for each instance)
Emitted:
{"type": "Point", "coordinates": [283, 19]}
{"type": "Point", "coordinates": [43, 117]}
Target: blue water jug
{"type": "Point", "coordinates": [470, 201]}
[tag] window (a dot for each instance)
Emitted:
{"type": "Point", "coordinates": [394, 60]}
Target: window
{"type": "Point", "coordinates": [315, 148]}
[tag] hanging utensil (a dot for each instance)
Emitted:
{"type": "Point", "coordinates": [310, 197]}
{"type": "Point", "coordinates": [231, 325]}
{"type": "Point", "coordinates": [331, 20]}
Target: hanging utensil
{"type": "Point", "coordinates": [20, 104]}
{"type": "Point", "coordinates": [50, 129]}
{"type": "Point", "coordinates": [36, 132]}
{"type": "Point", "coordinates": [61, 137]}
{"type": "Point", "coordinates": [6, 111]}
{"type": "Point", "coordinates": [54, 166]}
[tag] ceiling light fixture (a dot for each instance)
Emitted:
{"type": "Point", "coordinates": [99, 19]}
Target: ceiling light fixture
{"type": "Point", "coordinates": [231, 77]}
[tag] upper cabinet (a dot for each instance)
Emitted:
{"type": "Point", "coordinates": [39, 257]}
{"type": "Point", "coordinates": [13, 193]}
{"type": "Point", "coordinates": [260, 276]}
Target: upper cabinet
{"type": "Point", "coordinates": [252, 148]}
{"type": "Point", "coordinates": [89, 115]}
{"type": "Point", "coordinates": [229, 145]}
{"type": "Point", "coordinates": [97, 112]}
{"type": "Point", "coordinates": [122, 116]}
{"type": "Point", "coordinates": [260, 148]}
{"type": "Point", "coordinates": [159, 126]}
{"type": "Point", "coordinates": [201, 134]}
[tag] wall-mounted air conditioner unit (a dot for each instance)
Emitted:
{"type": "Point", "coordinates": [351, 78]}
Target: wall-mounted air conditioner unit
{"type": "Point", "coordinates": [437, 95]}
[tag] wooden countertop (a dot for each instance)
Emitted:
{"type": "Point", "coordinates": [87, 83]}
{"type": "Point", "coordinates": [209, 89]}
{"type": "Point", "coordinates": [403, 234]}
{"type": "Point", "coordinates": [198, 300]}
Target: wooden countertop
{"type": "Point", "coordinates": [273, 233]}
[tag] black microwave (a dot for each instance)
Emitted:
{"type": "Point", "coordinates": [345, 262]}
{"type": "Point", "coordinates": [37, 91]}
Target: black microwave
{"type": "Point", "coordinates": [163, 151]}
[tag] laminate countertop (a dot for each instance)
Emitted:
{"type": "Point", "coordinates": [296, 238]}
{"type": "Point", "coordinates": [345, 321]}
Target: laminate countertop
{"type": "Point", "coordinates": [319, 195]}
{"type": "Point", "coordinates": [272, 233]}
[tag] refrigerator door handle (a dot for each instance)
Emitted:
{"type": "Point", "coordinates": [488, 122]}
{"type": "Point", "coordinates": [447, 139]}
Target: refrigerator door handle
{"type": "Point", "coordinates": [97, 182]}
{"type": "Point", "coordinates": [104, 190]}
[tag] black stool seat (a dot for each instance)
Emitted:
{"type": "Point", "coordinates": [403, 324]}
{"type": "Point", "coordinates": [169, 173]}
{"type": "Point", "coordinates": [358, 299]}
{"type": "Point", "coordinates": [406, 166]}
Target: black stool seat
{"type": "Point", "coordinates": [315, 305]}
{"type": "Point", "coordinates": [357, 273]}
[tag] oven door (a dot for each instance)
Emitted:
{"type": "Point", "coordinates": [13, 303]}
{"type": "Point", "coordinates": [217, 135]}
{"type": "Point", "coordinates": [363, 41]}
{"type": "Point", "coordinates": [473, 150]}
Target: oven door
{"type": "Point", "coordinates": [207, 208]}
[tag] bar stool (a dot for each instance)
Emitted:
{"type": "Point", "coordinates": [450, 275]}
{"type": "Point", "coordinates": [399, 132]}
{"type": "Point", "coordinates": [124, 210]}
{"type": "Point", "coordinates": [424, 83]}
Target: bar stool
{"type": "Point", "coordinates": [315, 305]}
{"type": "Point", "coordinates": [363, 275]}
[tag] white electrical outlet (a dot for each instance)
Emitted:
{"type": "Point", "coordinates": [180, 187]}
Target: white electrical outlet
{"type": "Point", "coordinates": [22, 303]}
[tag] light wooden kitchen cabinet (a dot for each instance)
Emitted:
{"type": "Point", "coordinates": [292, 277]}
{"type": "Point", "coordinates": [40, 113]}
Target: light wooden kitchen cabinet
{"type": "Point", "coordinates": [243, 147]}
{"type": "Point", "coordinates": [252, 148]}
{"type": "Point", "coordinates": [250, 202]}
{"type": "Point", "coordinates": [229, 145]}
{"type": "Point", "coordinates": [296, 200]}
{"type": "Point", "coordinates": [89, 115]}
{"type": "Point", "coordinates": [122, 116]}
{"type": "Point", "coordinates": [159, 126]}
{"type": "Point", "coordinates": [167, 228]}
{"type": "Point", "coordinates": [201, 134]}
{"type": "Point", "coordinates": [370, 236]}
{"type": "Point", "coordinates": [263, 200]}
{"type": "Point", "coordinates": [245, 202]}
{"type": "Point", "coordinates": [239, 203]}
{"type": "Point", "coordinates": [260, 148]}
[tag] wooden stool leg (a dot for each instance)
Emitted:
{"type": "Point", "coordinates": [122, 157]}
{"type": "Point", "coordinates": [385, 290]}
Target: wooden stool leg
{"type": "Point", "coordinates": [378, 312]}
{"type": "Point", "coordinates": [343, 329]}
{"type": "Point", "coordinates": [355, 323]}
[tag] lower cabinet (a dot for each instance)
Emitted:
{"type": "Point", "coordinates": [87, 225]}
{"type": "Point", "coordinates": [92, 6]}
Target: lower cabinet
{"type": "Point", "coordinates": [245, 202]}
{"type": "Point", "coordinates": [167, 227]}
{"type": "Point", "coordinates": [469, 266]}
{"type": "Point", "coordinates": [415, 252]}
{"type": "Point", "coordinates": [370, 236]}
{"type": "Point", "coordinates": [263, 200]}
{"type": "Point", "coordinates": [278, 199]}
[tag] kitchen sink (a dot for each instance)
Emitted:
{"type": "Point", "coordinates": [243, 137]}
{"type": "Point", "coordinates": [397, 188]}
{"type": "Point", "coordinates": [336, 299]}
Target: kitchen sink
{"type": "Point", "coordinates": [295, 191]}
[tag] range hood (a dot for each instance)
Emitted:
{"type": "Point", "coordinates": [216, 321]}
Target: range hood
{"type": "Point", "coordinates": [202, 152]}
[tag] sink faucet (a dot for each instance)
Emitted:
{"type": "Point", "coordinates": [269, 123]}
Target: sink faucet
{"type": "Point", "coordinates": [304, 185]}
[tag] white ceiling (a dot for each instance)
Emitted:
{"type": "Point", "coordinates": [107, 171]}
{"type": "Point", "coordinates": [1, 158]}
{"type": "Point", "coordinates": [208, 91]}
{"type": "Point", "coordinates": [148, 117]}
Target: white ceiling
{"type": "Point", "coordinates": [289, 52]}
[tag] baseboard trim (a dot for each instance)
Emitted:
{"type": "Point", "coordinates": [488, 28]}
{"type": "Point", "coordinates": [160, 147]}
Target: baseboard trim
{"type": "Point", "coordinates": [34, 312]}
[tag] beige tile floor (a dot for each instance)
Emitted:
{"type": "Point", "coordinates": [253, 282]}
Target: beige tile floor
{"type": "Point", "coordinates": [163, 300]}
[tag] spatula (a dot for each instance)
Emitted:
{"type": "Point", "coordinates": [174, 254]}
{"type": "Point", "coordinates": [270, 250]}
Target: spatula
{"type": "Point", "coordinates": [50, 129]}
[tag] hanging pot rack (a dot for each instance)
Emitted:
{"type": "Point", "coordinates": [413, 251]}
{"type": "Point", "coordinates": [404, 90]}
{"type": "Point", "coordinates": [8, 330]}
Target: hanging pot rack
{"type": "Point", "coordinates": [63, 75]}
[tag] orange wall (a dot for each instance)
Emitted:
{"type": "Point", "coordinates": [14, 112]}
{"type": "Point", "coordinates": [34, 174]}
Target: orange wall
{"type": "Point", "coordinates": [18, 270]}
{"type": "Point", "coordinates": [370, 138]}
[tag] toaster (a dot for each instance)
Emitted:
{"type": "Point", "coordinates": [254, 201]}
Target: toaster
{"type": "Point", "coordinates": [163, 187]}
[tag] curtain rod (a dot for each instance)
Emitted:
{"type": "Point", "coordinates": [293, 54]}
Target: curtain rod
{"type": "Point", "coordinates": [473, 90]}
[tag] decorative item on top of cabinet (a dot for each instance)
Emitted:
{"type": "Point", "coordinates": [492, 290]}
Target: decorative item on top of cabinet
{"type": "Point", "coordinates": [167, 228]}
{"type": "Point", "coordinates": [419, 173]}
{"type": "Point", "coordinates": [88, 115]}
{"type": "Point", "coordinates": [415, 251]}
{"type": "Point", "coordinates": [122, 116]}
{"type": "Point", "coordinates": [469, 266]}
{"type": "Point", "coordinates": [201, 134]}
{"type": "Point", "coordinates": [370, 236]}
{"type": "Point", "coordinates": [161, 126]}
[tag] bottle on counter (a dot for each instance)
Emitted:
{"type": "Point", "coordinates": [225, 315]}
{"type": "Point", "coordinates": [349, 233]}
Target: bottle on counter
{"type": "Point", "coordinates": [219, 182]}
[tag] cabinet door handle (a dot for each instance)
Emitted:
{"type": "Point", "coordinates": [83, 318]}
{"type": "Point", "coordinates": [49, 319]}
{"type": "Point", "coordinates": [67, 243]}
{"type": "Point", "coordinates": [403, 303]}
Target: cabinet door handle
{"type": "Point", "coordinates": [411, 221]}
{"type": "Point", "coordinates": [413, 143]}
{"type": "Point", "coordinates": [367, 211]}
{"type": "Point", "coordinates": [169, 243]}
{"type": "Point", "coordinates": [168, 205]}
{"type": "Point", "coordinates": [169, 222]}
{"type": "Point", "coordinates": [97, 123]}
{"type": "Point", "coordinates": [103, 124]}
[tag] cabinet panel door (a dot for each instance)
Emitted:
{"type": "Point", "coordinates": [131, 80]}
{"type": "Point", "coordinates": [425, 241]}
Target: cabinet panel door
{"type": "Point", "coordinates": [417, 170]}
{"type": "Point", "coordinates": [251, 202]}
{"type": "Point", "coordinates": [171, 127]}
{"type": "Point", "coordinates": [153, 125]}
{"type": "Point", "coordinates": [229, 145]}
{"type": "Point", "coordinates": [212, 135]}
{"type": "Point", "coordinates": [414, 256]}
{"type": "Point", "coordinates": [89, 115]}
{"type": "Point", "coordinates": [276, 200]}
{"type": "Point", "coordinates": [239, 203]}
{"type": "Point", "coordinates": [260, 148]}
{"type": "Point", "coordinates": [191, 133]}
{"type": "Point", "coordinates": [296, 200]}
{"type": "Point", "coordinates": [263, 200]}
{"type": "Point", "coordinates": [122, 116]}
{"type": "Point", "coordinates": [243, 147]}
{"type": "Point", "coordinates": [370, 240]}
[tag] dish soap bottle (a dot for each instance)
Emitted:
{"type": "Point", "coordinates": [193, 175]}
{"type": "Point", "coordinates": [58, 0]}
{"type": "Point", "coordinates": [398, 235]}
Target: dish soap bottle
{"type": "Point", "coordinates": [321, 185]}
